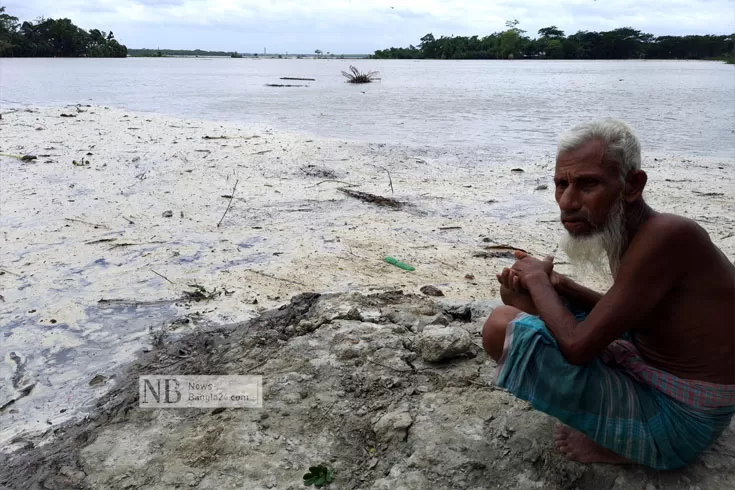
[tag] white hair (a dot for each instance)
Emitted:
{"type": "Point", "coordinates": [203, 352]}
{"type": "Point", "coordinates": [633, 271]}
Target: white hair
{"type": "Point", "coordinates": [621, 143]}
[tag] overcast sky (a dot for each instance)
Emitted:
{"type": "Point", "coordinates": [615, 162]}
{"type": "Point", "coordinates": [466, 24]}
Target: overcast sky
{"type": "Point", "coordinates": [362, 26]}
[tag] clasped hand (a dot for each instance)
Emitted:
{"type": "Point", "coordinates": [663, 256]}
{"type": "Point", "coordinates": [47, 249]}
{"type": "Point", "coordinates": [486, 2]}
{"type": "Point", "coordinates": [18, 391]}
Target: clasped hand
{"type": "Point", "coordinates": [526, 270]}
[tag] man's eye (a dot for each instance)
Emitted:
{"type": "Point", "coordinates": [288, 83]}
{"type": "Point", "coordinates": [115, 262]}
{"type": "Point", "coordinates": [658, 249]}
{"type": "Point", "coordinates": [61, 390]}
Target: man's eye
{"type": "Point", "coordinates": [588, 184]}
{"type": "Point", "coordinates": [561, 184]}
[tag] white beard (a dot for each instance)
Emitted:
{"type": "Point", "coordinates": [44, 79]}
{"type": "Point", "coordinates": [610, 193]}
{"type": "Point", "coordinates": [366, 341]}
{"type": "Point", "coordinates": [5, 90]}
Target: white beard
{"type": "Point", "coordinates": [589, 252]}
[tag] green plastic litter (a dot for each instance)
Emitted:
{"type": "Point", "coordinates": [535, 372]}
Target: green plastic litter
{"type": "Point", "coordinates": [400, 264]}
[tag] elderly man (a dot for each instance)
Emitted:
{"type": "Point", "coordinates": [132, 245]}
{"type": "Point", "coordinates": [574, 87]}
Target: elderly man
{"type": "Point", "coordinates": [644, 373]}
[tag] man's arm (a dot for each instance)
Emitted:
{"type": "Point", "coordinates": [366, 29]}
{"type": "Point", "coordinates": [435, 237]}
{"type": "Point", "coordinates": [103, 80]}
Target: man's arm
{"type": "Point", "coordinates": [652, 265]}
{"type": "Point", "coordinates": [581, 296]}
{"type": "Point", "coordinates": [513, 294]}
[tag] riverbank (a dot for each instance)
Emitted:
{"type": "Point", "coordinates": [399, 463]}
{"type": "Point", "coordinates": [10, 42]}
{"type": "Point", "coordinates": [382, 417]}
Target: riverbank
{"type": "Point", "coordinates": [130, 225]}
{"type": "Point", "coordinates": [351, 383]}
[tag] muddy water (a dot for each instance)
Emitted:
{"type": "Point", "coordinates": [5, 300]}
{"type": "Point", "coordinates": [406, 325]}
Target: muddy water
{"type": "Point", "coordinates": [508, 107]}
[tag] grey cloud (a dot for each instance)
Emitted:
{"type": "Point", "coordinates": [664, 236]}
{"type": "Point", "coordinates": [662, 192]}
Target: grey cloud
{"type": "Point", "coordinates": [161, 3]}
{"type": "Point", "coordinates": [100, 9]}
{"type": "Point", "coordinates": [410, 14]}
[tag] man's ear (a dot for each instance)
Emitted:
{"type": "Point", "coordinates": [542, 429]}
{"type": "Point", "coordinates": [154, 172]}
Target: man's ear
{"type": "Point", "coordinates": [635, 182]}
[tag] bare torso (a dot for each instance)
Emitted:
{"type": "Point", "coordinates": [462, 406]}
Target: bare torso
{"type": "Point", "coordinates": [691, 333]}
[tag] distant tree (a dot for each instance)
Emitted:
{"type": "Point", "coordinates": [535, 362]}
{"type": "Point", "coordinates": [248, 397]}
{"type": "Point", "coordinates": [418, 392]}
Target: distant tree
{"type": "Point", "coordinates": [551, 32]}
{"type": "Point", "coordinates": [550, 44]}
{"type": "Point", "coordinates": [512, 42]}
{"type": "Point", "coordinates": [8, 33]}
{"type": "Point", "coordinates": [54, 37]}
{"type": "Point", "coordinates": [512, 25]}
{"type": "Point", "coordinates": [622, 43]}
{"type": "Point", "coordinates": [428, 46]}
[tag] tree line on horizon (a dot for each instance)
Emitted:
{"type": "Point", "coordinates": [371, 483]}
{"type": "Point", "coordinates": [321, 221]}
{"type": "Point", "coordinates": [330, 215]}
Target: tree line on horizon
{"type": "Point", "coordinates": [161, 53]}
{"type": "Point", "coordinates": [552, 43]}
{"type": "Point", "coordinates": [55, 38]}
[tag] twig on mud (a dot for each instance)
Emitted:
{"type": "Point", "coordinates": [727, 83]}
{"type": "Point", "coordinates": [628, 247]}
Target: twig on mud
{"type": "Point", "coordinates": [132, 244]}
{"type": "Point", "coordinates": [504, 247]}
{"type": "Point", "coordinates": [329, 408]}
{"type": "Point", "coordinates": [373, 199]}
{"type": "Point", "coordinates": [390, 181]}
{"type": "Point", "coordinates": [261, 152]}
{"type": "Point", "coordinates": [274, 277]}
{"type": "Point", "coordinates": [120, 301]}
{"type": "Point", "coordinates": [101, 240]}
{"type": "Point", "coordinates": [129, 220]}
{"type": "Point", "coordinates": [5, 271]}
{"type": "Point", "coordinates": [161, 275]}
{"type": "Point", "coordinates": [86, 223]}
{"type": "Point", "coordinates": [232, 195]}
{"type": "Point", "coordinates": [338, 181]}
{"type": "Point", "coordinates": [22, 158]}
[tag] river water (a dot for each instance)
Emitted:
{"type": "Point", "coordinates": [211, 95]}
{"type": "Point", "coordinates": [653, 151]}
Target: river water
{"type": "Point", "coordinates": [680, 107]}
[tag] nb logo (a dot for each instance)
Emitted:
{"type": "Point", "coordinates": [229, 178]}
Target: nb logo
{"type": "Point", "coordinates": [155, 388]}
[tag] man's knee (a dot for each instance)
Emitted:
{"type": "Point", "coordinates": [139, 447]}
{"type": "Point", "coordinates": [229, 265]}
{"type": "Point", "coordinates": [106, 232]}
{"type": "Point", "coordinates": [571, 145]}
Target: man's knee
{"type": "Point", "coordinates": [493, 333]}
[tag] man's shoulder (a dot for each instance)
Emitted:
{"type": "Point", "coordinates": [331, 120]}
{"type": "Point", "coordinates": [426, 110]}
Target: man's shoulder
{"type": "Point", "coordinates": [671, 231]}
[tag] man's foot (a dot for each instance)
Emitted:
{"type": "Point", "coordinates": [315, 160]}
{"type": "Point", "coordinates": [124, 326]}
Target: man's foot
{"type": "Point", "coordinates": [578, 447]}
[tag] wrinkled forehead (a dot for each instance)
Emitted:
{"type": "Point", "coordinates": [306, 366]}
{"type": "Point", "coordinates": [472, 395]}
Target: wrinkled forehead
{"type": "Point", "coordinates": [589, 157]}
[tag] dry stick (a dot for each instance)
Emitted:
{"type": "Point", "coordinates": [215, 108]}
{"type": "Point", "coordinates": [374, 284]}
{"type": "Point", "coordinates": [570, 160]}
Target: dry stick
{"type": "Point", "coordinates": [276, 278]}
{"type": "Point", "coordinates": [120, 245]}
{"type": "Point", "coordinates": [339, 181]}
{"type": "Point", "coordinates": [161, 275]}
{"type": "Point", "coordinates": [85, 222]}
{"type": "Point", "coordinates": [232, 195]}
{"type": "Point", "coordinates": [129, 220]}
{"type": "Point", "coordinates": [329, 408]}
{"type": "Point", "coordinates": [136, 302]}
{"type": "Point", "coordinates": [101, 240]}
{"type": "Point", "coordinates": [389, 180]}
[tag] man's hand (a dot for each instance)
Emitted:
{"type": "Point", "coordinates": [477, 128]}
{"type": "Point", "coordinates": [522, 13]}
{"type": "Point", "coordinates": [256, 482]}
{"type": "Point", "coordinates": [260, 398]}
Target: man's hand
{"type": "Point", "coordinates": [528, 269]}
{"type": "Point", "coordinates": [513, 292]}
{"type": "Point", "coordinates": [510, 279]}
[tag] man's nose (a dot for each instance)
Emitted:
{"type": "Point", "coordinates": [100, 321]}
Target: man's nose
{"type": "Point", "coordinates": [569, 200]}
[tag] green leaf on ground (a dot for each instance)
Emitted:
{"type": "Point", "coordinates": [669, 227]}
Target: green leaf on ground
{"type": "Point", "coordinates": [319, 476]}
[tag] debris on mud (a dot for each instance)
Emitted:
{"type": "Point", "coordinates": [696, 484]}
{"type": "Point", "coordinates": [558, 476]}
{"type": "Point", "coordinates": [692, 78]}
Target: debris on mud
{"type": "Point", "coordinates": [373, 199]}
{"type": "Point", "coordinates": [431, 291]}
{"type": "Point", "coordinates": [200, 293]}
